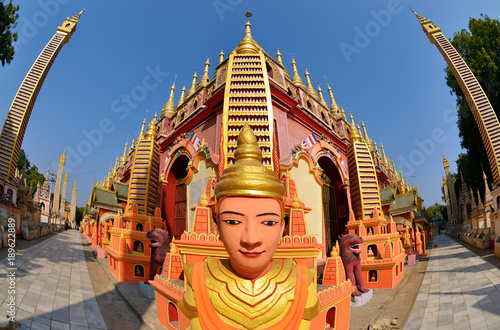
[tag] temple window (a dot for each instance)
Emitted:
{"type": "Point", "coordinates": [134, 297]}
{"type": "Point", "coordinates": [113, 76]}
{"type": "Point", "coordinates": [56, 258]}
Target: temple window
{"type": "Point", "coordinates": [138, 247]}
{"type": "Point", "coordinates": [160, 269]}
{"type": "Point", "coordinates": [397, 270]}
{"type": "Point", "coordinates": [323, 117]}
{"type": "Point", "coordinates": [309, 106]}
{"type": "Point", "coordinates": [330, 318]}
{"type": "Point", "coordinates": [269, 70]}
{"type": "Point", "coordinates": [372, 276]}
{"type": "Point", "coordinates": [371, 251]}
{"type": "Point", "coordinates": [369, 231]}
{"type": "Point", "coordinates": [289, 92]}
{"type": "Point", "coordinates": [138, 271]}
{"type": "Point", "coordinates": [139, 227]}
{"type": "Point", "coordinates": [173, 315]}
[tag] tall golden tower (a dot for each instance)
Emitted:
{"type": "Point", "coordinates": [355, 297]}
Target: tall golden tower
{"type": "Point", "coordinates": [453, 216]}
{"type": "Point", "coordinates": [481, 108]}
{"type": "Point", "coordinates": [144, 183]}
{"type": "Point", "coordinates": [59, 178]}
{"type": "Point", "coordinates": [19, 113]}
{"type": "Point", "coordinates": [249, 101]}
{"type": "Point", "coordinates": [365, 196]}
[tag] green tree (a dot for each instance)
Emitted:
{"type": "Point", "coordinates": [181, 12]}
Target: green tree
{"type": "Point", "coordinates": [480, 49]}
{"type": "Point", "coordinates": [32, 175]}
{"type": "Point", "coordinates": [8, 21]}
{"type": "Point", "coordinates": [79, 214]}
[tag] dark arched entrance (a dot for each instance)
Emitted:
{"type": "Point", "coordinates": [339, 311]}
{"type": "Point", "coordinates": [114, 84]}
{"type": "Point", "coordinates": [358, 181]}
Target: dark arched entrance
{"type": "Point", "coordinates": [335, 208]}
{"type": "Point", "coordinates": [174, 197]}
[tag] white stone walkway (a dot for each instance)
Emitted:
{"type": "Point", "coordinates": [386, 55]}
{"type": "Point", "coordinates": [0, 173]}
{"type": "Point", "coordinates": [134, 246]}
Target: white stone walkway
{"type": "Point", "coordinates": [53, 288]}
{"type": "Point", "coordinates": [460, 290]}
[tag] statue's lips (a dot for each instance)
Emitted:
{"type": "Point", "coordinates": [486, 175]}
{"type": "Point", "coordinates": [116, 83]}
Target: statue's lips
{"type": "Point", "coordinates": [154, 243]}
{"type": "Point", "coordinates": [251, 254]}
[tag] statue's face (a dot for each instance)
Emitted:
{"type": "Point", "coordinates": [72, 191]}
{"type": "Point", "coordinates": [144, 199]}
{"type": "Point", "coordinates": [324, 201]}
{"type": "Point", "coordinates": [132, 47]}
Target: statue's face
{"type": "Point", "coordinates": [250, 229]}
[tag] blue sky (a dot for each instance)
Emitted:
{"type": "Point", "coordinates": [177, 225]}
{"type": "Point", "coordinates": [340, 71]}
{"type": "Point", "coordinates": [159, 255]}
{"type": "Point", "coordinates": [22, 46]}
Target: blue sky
{"type": "Point", "coordinates": [388, 74]}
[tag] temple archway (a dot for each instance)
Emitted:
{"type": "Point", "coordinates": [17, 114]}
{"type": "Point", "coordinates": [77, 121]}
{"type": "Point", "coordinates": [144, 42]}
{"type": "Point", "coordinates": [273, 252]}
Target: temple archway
{"type": "Point", "coordinates": [335, 205]}
{"type": "Point", "coordinates": [174, 207]}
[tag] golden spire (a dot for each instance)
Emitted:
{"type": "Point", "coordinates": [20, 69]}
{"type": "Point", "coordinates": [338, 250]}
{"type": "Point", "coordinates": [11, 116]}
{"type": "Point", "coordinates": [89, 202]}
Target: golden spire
{"type": "Point", "coordinates": [141, 134]}
{"type": "Point", "coordinates": [361, 135]}
{"type": "Point", "coordinates": [393, 168]}
{"type": "Point", "coordinates": [69, 26]}
{"type": "Point", "coordinates": [123, 159]}
{"type": "Point", "coordinates": [310, 88]}
{"type": "Point", "coordinates": [74, 186]}
{"type": "Point", "coordinates": [132, 144]}
{"type": "Point", "coordinates": [296, 78]}
{"type": "Point", "coordinates": [280, 62]}
{"type": "Point", "coordinates": [115, 168]}
{"type": "Point", "coordinates": [342, 114]}
{"type": "Point", "coordinates": [181, 100]}
{"type": "Point", "coordinates": [151, 131]}
{"type": "Point", "coordinates": [221, 56]}
{"type": "Point", "coordinates": [248, 176]}
{"type": "Point", "coordinates": [62, 160]}
{"type": "Point", "coordinates": [445, 162]}
{"type": "Point", "coordinates": [354, 134]}
{"type": "Point", "coordinates": [428, 26]}
{"type": "Point", "coordinates": [248, 45]}
{"type": "Point", "coordinates": [66, 176]}
{"type": "Point", "coordinates": [169, 109]}
{"type": "Point", "coordinates": [367, 139]}
{"type": "Point", "coordinates": [193, 86]}
{"type": "Point", "coordinates": [384, 157]}
{"type": "Point", "coordinates": [204, 80]}
{"type": "Point", "coordinates": [334, 108]}
{"type": "Point", "coordinates": [321, 99]}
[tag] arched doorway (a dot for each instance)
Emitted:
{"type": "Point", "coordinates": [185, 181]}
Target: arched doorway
{"type": "Point", "coordinates": [175, 198]}
{"type": "Point", "coordinates": [335, 214]}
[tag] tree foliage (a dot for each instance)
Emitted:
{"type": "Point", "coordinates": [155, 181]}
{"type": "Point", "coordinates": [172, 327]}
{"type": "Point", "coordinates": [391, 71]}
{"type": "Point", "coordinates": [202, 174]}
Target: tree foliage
{"type": "Point", "coordinates": [32, 175]}
{"type": "Point", "coordinates": [79, 215]}
{"type": "Point", "coordinates": [480, 49]}
{"type": "Point", "coordinates": [437, 209]}
{"type": "Point", "coordinates": [8, 21]}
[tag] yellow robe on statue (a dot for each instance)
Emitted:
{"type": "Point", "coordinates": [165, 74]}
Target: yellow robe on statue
{"type": "Point", "coordinates": [217, 298]}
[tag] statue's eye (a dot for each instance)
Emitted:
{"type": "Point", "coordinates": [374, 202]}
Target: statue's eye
{"type": "Point", "coordinates": [232, 222]}
{"type": "Point", "coordinates": [269, 223]}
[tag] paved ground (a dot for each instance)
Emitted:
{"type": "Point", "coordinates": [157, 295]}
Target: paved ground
{"type": "Point", "coordinates": [460, 289]}
{"type": "Point", "coordinates": [53, 288]}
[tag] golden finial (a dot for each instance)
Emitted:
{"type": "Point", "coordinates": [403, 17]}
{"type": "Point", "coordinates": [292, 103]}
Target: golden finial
{"type": "Point", "coordinates": [445, 162]}
{"type": "Point", "coordinates": [62, 160]}
{"type": "Point", "coordinates": [181, 100]}
{"type": "Point", "coordinates": [202, 142]}
{"type": "Point", "coordinates": [221, 56]}
{"type": "Point", "coordinates": [384, 157]}
{"type": "Point", "coordinates": [173, 248]}
{"type": "Point", "coordinates": [248, 45]}
{"type": "Point", "coordinates": [367, 139]}
{"type": "Point", "coordinates": [123, 159]}
{"type": "Point", "coordinates": [151, 131]}
{"type": "Point", "coordinates": [193, 86]}
{"type": "Point", "coordinates": [280, 62]}
{"type": "Point", "coordinates": [342, 114]}
{"type": "Point", "coordinates": [391, 219]}
{"type": "Point", "coordinates": [204, 201]}
{"type": "Point", "coordinates": [204, 80]}
{"type": "Point", "coordinates": [334, 108]}
{"type": "Point", "coordinates": [361, 135]}
{"type": "Point", "coordinates": [310, 88]}
{"type": "Point", "coordinates": [334, 253]}
{"type": "Point", "coordinates": [296, 202]}
{"type": "Point", "coordinates": [321, 99]}
{"type": "Point", "coordinates": [296, 77]}
{"type": "Point", "coordinates": [141, 133]}
{"type": "Point", "coordinates": [169, 108]}
{"type": "Point", "coordinates": [248, 176]}
{"type": "Point", "coordinates": [74, 186]}
{"type": "Point", "coordinates": [132, 144]}
{"type": "Point", "coordinates": [354, 134]}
